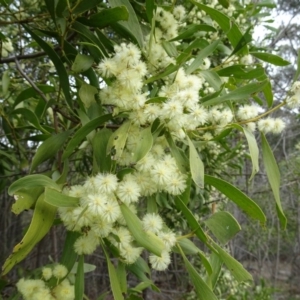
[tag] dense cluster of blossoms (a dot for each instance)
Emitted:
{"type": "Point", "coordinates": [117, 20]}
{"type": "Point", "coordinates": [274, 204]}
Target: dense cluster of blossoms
{"type": "Point", "coordinates": [37, 289]}
{"type": "Point", "coordinates": [177, 106]}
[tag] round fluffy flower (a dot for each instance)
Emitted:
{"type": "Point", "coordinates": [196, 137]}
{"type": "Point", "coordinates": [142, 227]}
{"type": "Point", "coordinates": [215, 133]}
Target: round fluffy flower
{"type": "Point", "coordinates": [29, 287]}
{"type": "Point", "coordinates": [169, 238]}
{"type": "Point", "coordinates": [60, 271]}
{"type": "Point", "coordinates": [247, 112]}
{"type": "Point", "coordinates": [130, 253]}
{"type": "Point", "coordinates": [106, 183]}
{"type": "Point", "coordinates": [64, 291]}
{"type": "Point", "coordinates": [86, 244]}
{"type": "Point", "coordinates": [295, 87]}
{"type": "Point", "coordinates": [294, 101]}
{"type": "Point", "coordinates": [198, 114]}
{"type": "Point", "coordinates": [251, 126]}
{"type": "Point", "coordinates": [176, 184]}
{"type": "Point", "coordinates": [266, 125]}
{"type": "Point", "coordinates": [128, 191]}
{"type": "Point", "coordinates": [47, 273]}
{"type": "Point", "coordinates": [111, 211]}
{"type": "Point", "coordinates": [160, 174]}
{"type": "Point", "coordinates": [152, 222]}
{"type": "Point", "coordinates": [179, 12]}
{"type": "Point", "coordinates": [96, 203]}
{"type": "Point", "coordinates": [101, 228]}
{"type": "Point", "coordinates": [124, 236]}
{"type": "Point", "coordinates": [160, 263]}
{"type": "Point", "coordinates": [279, 125]}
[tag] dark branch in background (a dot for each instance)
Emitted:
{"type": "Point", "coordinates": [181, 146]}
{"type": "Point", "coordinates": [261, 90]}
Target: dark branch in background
{"type": "Point", "coordinates": [24, 56]}
{"type": "Point", "coordinates": [30, 81]}
{"type": "Point", "coordinates": [33, 55]}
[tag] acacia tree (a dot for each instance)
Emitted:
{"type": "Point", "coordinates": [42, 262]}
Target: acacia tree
{"type": "Point", "coordinates": [127, 113]}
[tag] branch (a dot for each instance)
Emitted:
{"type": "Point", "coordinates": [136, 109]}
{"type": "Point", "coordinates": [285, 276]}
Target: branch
{"type": "Point", "coordinates": [30, 81]}
{"type": "Point", "coordinates": [24, 56]}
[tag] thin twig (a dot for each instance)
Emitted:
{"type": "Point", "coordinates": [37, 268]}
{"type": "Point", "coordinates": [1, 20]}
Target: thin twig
{"type": "Point", "coordinates": [30, 81]}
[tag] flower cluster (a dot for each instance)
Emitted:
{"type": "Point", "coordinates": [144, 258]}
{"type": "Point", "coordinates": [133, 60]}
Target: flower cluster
{"type": "Point", "coordinates": [99, 216]}
{"type": "Point", "coordinates": [37, 289]}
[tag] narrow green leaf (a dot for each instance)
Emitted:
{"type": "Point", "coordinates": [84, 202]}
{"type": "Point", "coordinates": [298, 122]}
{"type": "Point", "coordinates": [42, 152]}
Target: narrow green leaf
{"type": "Point", "coordinates": [238, 197]}
{"type": "Point", "coordinates": [271, 58]}
{"type": "Point", "coordinates": [49, 148]}
{"type": "Point", "coordinates": [30, 117]}
{"type": "Point", "coordinates": [196, 165]}
{"type": "Point", "coordinates": [156, 100]}
{"type": "Point", "coordinates": [298, 68]}
{"type": "Point", "coordinates": [201, 55]}
{"type": "Point", "coordinates": [93, 44]}
{"type": "Point", "coordinates": [69, 256]}
{"type": "Point", "coordinates": [87, 94]}
{"type": "Point", "coordinates": [140, 268]}
{"type": "Point", "coordinates": [180, 159]}
{"type": "Point", "coordinates": [223, 225]}
{"type": "Point", "coordinates": [32, 181]}
{"type": "Point", "coordinates": [79, 279]}
{"type": "Point", "coordinates": [82, 63]}
{"type": "Point", "coordinates": [5, 81]}
{"type": "Point", "coordinates": [213, 79]}
{"type": "Point", "coordinates": [185, 196]}
{"type": "Point", "coordinates": [117, 141]}
{"type": "Point", "coordinates": [83, 6]}
{"type": "Point", "coordinates": [242, 72]}
{"type": "Point", "coordinates": [206, 263]}
{"type": "Point", "coordinates": [122, 276]}
{"type": "Point", "coordinates": [81, 134]}
{"type": "Point", "coordinates": [190, 30]}
{"type": "Point", "coordinates": [102, 161]}
{"type": "Point", "coordinates": [58, 199]}
{"type": "Point", "coordinates": [144, 144]}
{"type": "Point", "coordinates": [266, 3]}
{"type": "Point", "coordinates": [25, 199]}
{"type": "Point", "coordinates": [216, 265]}
{"type": "Point", "coordinates": [106, 17]}
{"type": "Point", "coordinates": [145, 239]}
{"type": "Point", "coordinates": [193, 223]}
{"type": "Point", "coordinates": [240, 93]}
{"type": "Point", "coordinates": [58, 63]}
{"type": "Point", "coordinates": [253, 148]}
{"type": "Point", "coordinates": [150, 8]}
{"type": "Point", "coordinates": [132, 24]}
{"type": "Point", "coordinates": [268, 93]}
{"type": "Point", "coordinates": [187, 246]}
{"type": "Point", "coordinates": [31, 92]}
{"type": "Point", "coordinates": [167, 71]}
{"type": "Point", "coordinates": [236, 268]}
{"type": "Point", "coordinates": [273, 177]}
{"type": "Point", "coordinates": [113, 278]}
{"type": "Point", "coordinates": [170, 48]}
{"type": "Point", "coordinates": [245, 40]}
{"type": "Point", "coordinates": [224, 3]}
{"type": "Point", "coordinates": [51, 7]}
{"type": "Point", "coordinates": [43, 217]}
{"type": "Point", "coordinates": [201, 288]}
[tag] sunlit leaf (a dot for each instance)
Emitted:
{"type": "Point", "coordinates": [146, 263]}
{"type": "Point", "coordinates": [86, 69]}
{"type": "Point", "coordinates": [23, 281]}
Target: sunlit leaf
{"type": "Point", "coordinates": [43, 217]}
{"type": "Point", "coordinates": [32, 181]}
{"type": "Point", "coordinates": [273, 177]}
{"type": "Point", "coordinates": [223, 225]}
{"type": "Point", "coordinates": [238, 197]}
{"type": "Point", "coordinates": [49, 148]}
{"type": "Point", "coordinates": [58, 199]}
{"type": "Point", "coordinates": [271, 58]}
